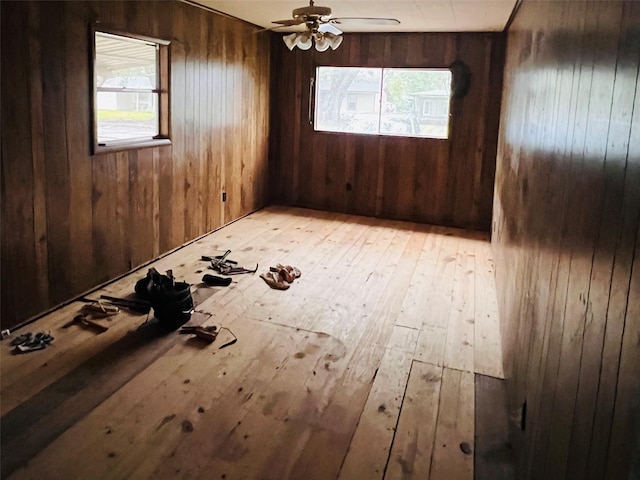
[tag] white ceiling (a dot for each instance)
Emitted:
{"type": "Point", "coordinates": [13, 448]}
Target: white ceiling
{"type": "Point", "coordinates": [414, 15]}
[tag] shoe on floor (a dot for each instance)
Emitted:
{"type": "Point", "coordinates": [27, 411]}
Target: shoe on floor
{"type": "Point", "coordinates": [216, 281]}
{"type": "Point", "coordinates": [274, 281]}
{"type": "Point", "coordinates": [287, 272]}
{"type": "Point", "coordinates": [101, 309]}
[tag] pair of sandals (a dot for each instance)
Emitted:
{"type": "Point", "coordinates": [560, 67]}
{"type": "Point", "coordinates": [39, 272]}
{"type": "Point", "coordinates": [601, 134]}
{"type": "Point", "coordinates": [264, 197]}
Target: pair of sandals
{"type": "Point", "coordinates": [100, 309]}
{"type": "Point", "coordinates": [281, 276]}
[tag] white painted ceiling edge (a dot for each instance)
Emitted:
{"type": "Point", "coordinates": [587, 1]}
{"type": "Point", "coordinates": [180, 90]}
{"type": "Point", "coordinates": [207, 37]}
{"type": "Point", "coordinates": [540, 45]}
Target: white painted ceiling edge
{"type": "Point", "coordinates": [414, 15]}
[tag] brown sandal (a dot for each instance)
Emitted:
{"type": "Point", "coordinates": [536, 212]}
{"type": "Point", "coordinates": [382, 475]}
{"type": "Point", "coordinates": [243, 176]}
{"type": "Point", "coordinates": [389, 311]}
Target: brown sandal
{"type": "Point", "coordinates": [101, 309]}
{"type": "Point", "coordinates": [288, 272]}
{"type": "Point", "coordinates": [274, 281]}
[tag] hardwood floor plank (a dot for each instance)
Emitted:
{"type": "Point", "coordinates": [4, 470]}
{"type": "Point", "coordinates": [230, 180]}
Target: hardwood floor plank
{"type": "Point", "coordinates": [327, 378]}
{"type": "Point", "coordinates": [454, 429]}
{"type": "Point", "coordinates": [459, 348]}
{"type": "Point", "coordinates": [487, 358]}
{"type": "Point", "coordinates": [119, 422]}
{"type": "Point", "coordinates": [430, 345]}
{"type": "Point", "coordinates": [369, 449]}
{"type": "Point", "coordinates": [229, 395]}
{"type": "Point", "coordinates": [412, 448]}
{"type": "Point", "coordinates": [292, 405]}
{"type": "Point", "coordinates": [32, 425]}
{"type": "Point", "coordinates": [403, 339]}
{"type": "Point", "coordinates": [439, 297]}
{"type": "Point", "coordinates": [422, 281]}
{"type": "Point", "coordinates": [339, 419]}
{"type": "Point", "coordinates": [57, 361]}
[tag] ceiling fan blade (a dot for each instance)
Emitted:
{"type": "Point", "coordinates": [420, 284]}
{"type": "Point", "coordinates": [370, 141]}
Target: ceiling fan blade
{"type": "Point", "coordinates": [365, 21]}
{"type": "Point", "coordinates": [289, 22]}
{"type": "Point", "coordinates": [329, 28]}
{"type": "Point", "coordinates": [271, 29]}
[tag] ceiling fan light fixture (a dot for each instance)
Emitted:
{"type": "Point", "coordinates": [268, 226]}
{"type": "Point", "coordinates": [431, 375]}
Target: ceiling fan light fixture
{"type": "Point", "coordinates": [334, 40]}
{"type": "Point", "coordinates": [322, 31]}
{"type": "Point", "coordinates": [301, 40]}
{"type": "Point", "coordinates": [290, 40]}
{"type": "Point", "coordinates": [304, 41]}
{"type": "Point", "coordinates": [322, 43]}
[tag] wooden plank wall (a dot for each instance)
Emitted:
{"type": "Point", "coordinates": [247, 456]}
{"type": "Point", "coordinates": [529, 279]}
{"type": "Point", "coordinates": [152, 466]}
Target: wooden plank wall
{"type": "Point", "coordinates": [70, 220]}
{"type": "Point", "coordinates": [566, 237]}
{"type": "Point", "coordinates": [446, 182]}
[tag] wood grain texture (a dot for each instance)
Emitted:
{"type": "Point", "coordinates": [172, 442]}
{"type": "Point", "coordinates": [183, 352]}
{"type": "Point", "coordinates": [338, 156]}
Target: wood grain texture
{"type": "Point", "coordinates": [412, 450]}
{"type": "Point", "coordinates": [493, 454]}
{"type": "Point", "coordinates": [335, 377]}
{"type": "Point", "coordinates": [71, 220]}
{"type": "Point", "coordinates": [446, 182]}
{"type": "Point", "coordinates": [567, 215]}
{"type": "Point", "coordinates": [454, 439]}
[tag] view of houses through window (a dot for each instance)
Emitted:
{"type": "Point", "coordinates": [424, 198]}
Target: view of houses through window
{"type": "Point", "coordinates": [384, 101]}
{"type": "Point", "coordinates": [126, 84]}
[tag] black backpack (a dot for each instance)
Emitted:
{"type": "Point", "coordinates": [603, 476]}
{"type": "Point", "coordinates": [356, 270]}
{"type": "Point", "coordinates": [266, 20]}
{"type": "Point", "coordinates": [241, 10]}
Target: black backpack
{"type": "Point", "coordinates": [171, 301]}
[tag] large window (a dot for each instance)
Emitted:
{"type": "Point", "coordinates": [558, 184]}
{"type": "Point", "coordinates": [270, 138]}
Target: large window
{"type": "Point", "coordinates": [383, 101]}
{"type": "Point", "coordinates": [131, 80]}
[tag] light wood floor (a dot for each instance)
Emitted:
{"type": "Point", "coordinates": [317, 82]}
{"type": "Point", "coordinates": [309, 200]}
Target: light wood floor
{"type": "Point", "coordinates": [363, 369]}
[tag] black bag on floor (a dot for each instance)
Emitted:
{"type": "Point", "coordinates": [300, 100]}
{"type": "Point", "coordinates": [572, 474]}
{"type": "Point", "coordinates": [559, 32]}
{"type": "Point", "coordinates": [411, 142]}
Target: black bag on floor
{"type": "Point", "coordinates": [171, 301]}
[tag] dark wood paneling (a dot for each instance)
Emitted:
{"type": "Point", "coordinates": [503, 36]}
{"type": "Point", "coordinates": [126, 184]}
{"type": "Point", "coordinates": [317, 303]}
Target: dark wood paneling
{"type": "Point", "coordinates": [566, 213]}
{"type": "Point", "coordinates": [71, 220]}
{"type": "Point", "coordinates": [447, 182]}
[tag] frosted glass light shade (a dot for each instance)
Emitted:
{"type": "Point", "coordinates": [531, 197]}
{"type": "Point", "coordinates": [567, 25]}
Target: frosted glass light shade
{"type": "Point", "coordinates": [304, 41]}
{"type": "Point", "coordinates": [322, 43]}
{"type": "Point", "coordinates": [290, 40]}
{"type": "Point", "coordinates": [336, 41]}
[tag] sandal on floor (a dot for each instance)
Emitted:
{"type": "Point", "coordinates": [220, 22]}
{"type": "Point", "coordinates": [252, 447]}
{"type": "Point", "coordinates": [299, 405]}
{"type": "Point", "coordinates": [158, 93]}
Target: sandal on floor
{"type": "Point", "coordinates": [289, 273]}
{"type": "Point", "coordinates": [101, 308]}
{"type": "Point", "coordinates": [283, 273]}
{"type": "Point", "coordinates": [274, 281]}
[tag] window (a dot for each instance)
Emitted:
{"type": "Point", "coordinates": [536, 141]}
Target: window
{"type": "Point", "coordinates": [131, 97]}
{"type": "Point", "coordinates": [383, 101]}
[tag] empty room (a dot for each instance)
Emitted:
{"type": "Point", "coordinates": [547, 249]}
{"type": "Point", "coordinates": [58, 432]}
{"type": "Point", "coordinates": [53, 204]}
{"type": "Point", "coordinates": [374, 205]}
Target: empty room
{"type": "Point", "coordinates": [361, 240]}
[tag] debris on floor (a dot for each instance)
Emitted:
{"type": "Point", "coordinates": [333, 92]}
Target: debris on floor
{"type": "Point", "coordinates": [101, 308]}
{"type": "Point", "coordinates": [171, 300]}
{"type": "Point", "coordinates": [225, 266]}
{"type": "Point", "coordinates": [274, 281]}
{"type": "Point", "coordinates": [83, 321]}
{"type": "Point", "coordinates": [134, 305]}
{"type": "Point", "coordinates": [28, 342]}
{"type": "Point", "coordinates": [281, 276]}
{"type": "Point", "coordinates": [205, 333]}
{"type": "Point", "coordinates": [215, 280]}
{"type": "Point", "coordinates": [209, 333]}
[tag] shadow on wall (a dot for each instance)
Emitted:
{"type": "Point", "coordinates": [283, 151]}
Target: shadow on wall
{"type": "Point", "coordinates": [578, 203]}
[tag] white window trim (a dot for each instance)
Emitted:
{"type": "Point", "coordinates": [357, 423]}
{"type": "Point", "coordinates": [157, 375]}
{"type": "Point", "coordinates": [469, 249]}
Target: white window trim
{"type": "Point", "coordinates": [162, 90]}
{"type": "Point", "coordinates": [314, 119]}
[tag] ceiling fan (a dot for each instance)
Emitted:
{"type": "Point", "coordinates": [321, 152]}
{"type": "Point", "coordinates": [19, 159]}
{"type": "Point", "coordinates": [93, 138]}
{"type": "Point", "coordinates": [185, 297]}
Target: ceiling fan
{"type": "Point", "coordinates": [321, 29]}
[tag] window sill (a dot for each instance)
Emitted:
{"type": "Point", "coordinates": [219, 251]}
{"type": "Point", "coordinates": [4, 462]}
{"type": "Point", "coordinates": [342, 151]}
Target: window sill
{"type": "Point", "coordinates": [380, 135]}
{"type": "Point", "coordinates": [119, 147]}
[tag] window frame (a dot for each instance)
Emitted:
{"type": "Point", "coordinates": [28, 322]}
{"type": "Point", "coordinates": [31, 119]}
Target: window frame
{"type": "Point", "coordinates": [313, 111]}
{"type": "Point", "coordinates": [162, 89]}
